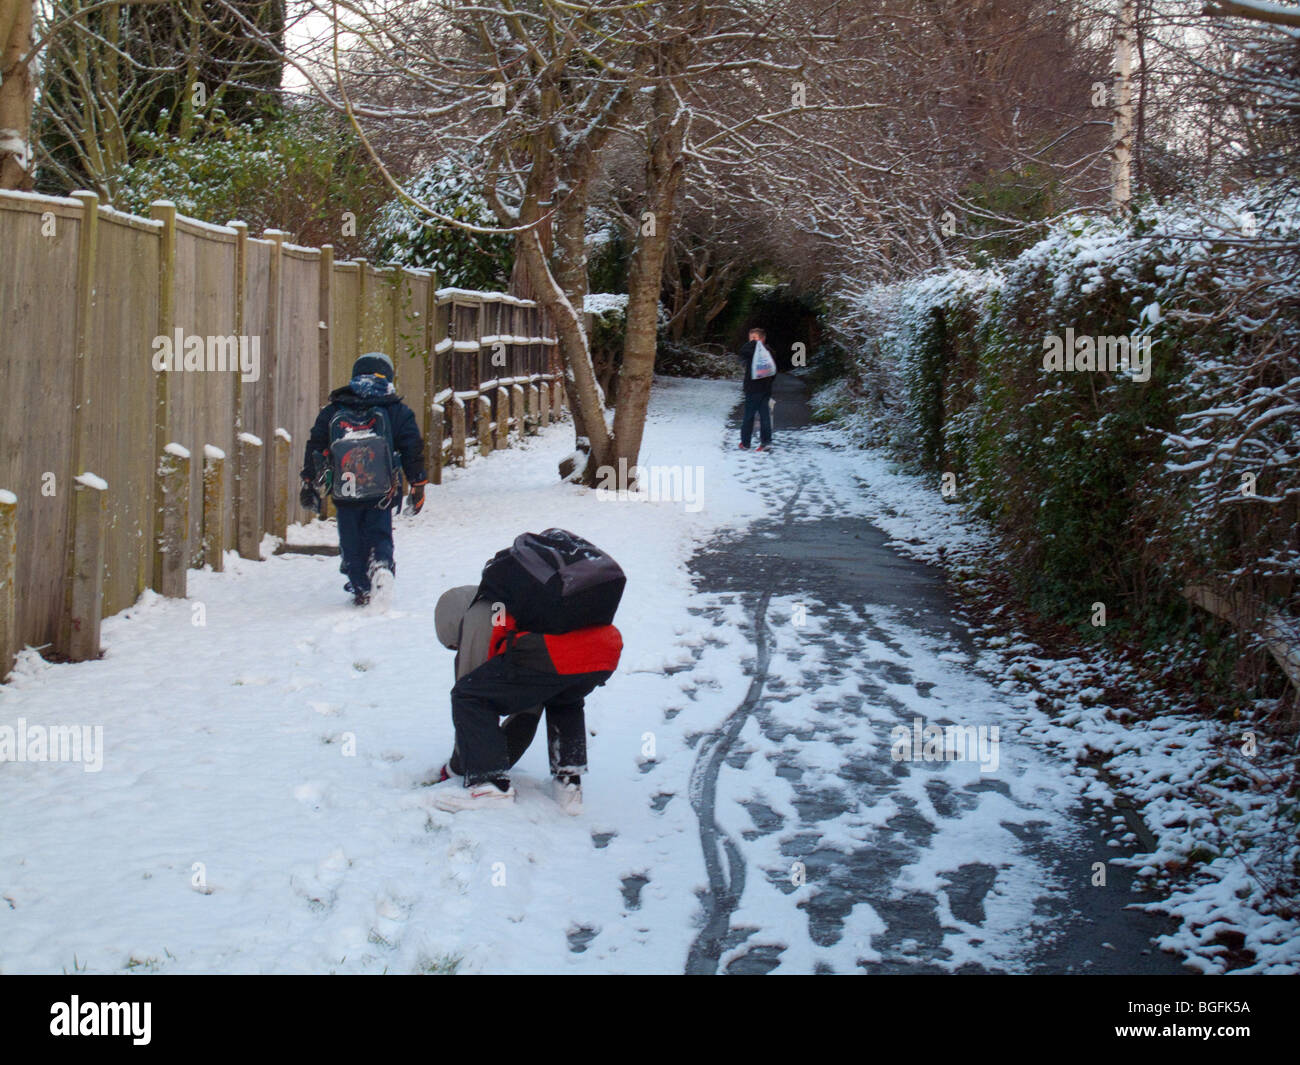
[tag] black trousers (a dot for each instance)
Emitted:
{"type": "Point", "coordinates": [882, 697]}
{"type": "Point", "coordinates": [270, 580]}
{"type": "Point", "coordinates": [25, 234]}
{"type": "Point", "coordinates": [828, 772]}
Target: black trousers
{"type": "Point", "coordinates": [518, 730]}
{"type": "Point", "coordinates": [501, 687]}
{"type": "Point", "coordinates": [756, 403]}
{"type": "Point", "coordinates": [365, 541]}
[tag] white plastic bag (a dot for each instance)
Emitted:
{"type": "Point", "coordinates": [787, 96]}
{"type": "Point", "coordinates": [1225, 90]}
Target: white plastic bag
{"type": "Point", "coordinates": [762, 365]}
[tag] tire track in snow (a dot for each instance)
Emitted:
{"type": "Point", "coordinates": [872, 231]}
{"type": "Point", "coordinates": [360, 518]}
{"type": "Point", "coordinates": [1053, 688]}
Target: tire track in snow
{"type": "Point", "coordinates": [726, 885]}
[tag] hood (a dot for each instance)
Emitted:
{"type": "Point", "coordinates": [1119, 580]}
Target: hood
{"type": "Point", "coordinates": [348, 398]}
{"type": "Point", "coordinates": [451, 608]}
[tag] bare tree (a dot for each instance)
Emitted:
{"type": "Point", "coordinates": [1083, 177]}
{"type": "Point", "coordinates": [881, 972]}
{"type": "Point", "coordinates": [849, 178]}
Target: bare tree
{"type": "Point", "coordinates": [17, 18]}
{"type": "Point", "coordinates": [531, 93]}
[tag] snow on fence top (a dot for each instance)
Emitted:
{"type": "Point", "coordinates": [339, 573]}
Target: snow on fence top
{"type": "Point", "coordinates": [89, 480]}
{"type": "Point", "coordinates": [445, 294]}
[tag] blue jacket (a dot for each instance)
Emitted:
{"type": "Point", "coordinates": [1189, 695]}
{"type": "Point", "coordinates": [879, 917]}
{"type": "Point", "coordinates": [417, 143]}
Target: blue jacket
{"type": "Point", "coordinates": [406, 433]}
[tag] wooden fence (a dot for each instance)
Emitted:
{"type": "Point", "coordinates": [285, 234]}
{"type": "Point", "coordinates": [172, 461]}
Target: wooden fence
{"type": "Point", "coordinates": [159, 376]}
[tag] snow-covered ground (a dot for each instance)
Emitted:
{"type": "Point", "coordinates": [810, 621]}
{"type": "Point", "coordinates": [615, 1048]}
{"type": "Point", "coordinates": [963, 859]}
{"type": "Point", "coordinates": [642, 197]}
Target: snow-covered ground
{"type": "Point", "coordinates": [260, 807]}
{"type": "Point", "coordinates": [1204, 802]}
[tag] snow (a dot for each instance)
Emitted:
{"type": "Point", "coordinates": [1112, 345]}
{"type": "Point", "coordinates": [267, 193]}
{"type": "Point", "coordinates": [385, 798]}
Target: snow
{"type": "Point", "coordinates": [1163, 763]}
{"type": "Point", "coordinates": [41, 198]}
{"type": "Point", "coordinates": [249, 438]}
{"type": "Point", "coordinates": [211, 451]}
{"type": "Point", "coordinates": [224, 745]}
{"type": "Point", "coordinates": [601, 302]}
{"type": "Point", "coordinates": [89, 480]}
{"type": "Point", "coordinates": [7, 497]}
{"type": "Point", "coordinates": [211, 227]}
{"type": "Point", "coordinates": [478, 296]}
{"type": "Point", "coordinates": [283, 434]}
{"type": "Point", "coordinates": [261, 809]}
{"type": "Point", "coordinates": [179, 450]}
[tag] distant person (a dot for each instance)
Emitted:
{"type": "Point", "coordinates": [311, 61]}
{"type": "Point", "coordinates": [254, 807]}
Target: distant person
{"type": "Point", "coordinates": [364, 438]}
{"type": "Point", "coordinates": [760, 371]}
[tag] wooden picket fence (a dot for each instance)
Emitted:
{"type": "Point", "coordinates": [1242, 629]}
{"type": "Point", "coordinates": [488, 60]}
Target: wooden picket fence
{"type": "Point", "coordinates": [120, 469]}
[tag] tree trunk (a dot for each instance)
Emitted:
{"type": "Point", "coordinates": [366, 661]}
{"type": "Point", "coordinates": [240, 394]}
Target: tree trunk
{"type": "Point", "coordinates": [664, 168]}
{"type": "Point", "coordinates": [580, 378]}
{"type": "Point", "coordinates": [569, 260]}
{"type": "Point", "coordinates": [1121, 140]}
{"type": "Point", "coordinates": [16, 96]}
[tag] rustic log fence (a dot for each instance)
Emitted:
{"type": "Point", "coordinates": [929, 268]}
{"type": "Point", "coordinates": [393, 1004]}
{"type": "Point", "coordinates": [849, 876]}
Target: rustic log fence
{"type": "Point", "coordinates": [158, 372]}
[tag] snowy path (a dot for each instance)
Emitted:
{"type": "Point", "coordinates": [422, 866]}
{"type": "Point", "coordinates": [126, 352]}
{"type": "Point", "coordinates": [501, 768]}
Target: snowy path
{"type": "Point", "coordinates": [260, 805]}
{"type": "Point", "coordinates": [826, 852]}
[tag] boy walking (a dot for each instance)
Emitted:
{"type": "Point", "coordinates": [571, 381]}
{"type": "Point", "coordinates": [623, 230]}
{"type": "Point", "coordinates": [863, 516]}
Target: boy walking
{"type": "Point", "coordinates": [760, 371]}
{"type": "Point", "coordinates": [363, 440]}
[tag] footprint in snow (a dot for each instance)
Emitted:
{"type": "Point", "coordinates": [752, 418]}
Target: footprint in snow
{"type": "Point", "coordinates": [579, 936]}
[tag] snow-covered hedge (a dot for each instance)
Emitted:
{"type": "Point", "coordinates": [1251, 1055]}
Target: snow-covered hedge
{"type": "Point", "coordinates": [1116, 487]}
{"type": "Point", "coordinates": [1124, 488]}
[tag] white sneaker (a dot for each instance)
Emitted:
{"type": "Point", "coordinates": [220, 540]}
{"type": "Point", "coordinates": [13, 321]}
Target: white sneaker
{"type": "Point", "coordinates": [382, 584]}
{"type": "Point", "coordinates": [568, 797]}
{"type": "Point", "coordinates": [453, 796]}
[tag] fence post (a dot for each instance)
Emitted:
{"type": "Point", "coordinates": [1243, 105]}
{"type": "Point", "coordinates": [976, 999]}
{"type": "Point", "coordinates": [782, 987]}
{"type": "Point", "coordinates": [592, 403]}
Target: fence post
{"type": "Point", "coordinates": [174, 505]}
{"type": "Point", "coordinates": [214, 507]}
{"type": "Point", "coordinates": [503, 416]}
{"type": "Point", "coordinates": [86, 590]}
{"type": "Point", "coordinates": [241, 308]}
{"type": "Point", "coordinates": [363, 285]}
{"type": "Point", "coordinates": [83, 579]}
{"type": "Point", "coordinates": [325, 330]}
{"type": "Point", "coordinates": [272, 489]}
{"type": "Point", "coordinates": [433, 442]}
{"type": "Point", "coordinates": [517, 411]}
{"type": "Point", "coordinates": [163, 211]}
{"type": "Point", "coordinates": [248, 496]}
{"type": "Point", "coordinates": [557, 400]}
{"type": "Point", "coordinates": [484, 424]}
{"type": "Point", "coordinates": [457, 430]}
{"type": "Point", "coordinates": [8, 575]}
{"type": "Point", "coordinates": [532, 418]}
{"type": "Point", "coordinates": [82, 391]}
{"type": "Point", "coordinates": [325, 353]}
{"type": "Point", "coordinates": [395, 309]}
{"type": "Point", "coordinates": [281, 446]}
{"type": "Point", "coordinates": [433, 459]}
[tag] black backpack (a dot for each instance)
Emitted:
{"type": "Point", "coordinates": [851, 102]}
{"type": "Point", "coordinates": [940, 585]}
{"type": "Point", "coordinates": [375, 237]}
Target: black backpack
{"type": "Point", "coordinates": [363, 459]}
{"type": "Point", "coordinates": [554, 582]}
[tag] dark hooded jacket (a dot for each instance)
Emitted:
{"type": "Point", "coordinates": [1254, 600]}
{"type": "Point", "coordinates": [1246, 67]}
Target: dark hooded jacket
{"type": "Point", "coordinates": [406, 433]}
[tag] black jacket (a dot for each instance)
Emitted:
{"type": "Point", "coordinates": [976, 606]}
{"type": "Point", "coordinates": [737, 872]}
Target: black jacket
{"type": "Point", "coordinates": [763, 386]}
{"type": "Point", "coordinates": [406, 433]}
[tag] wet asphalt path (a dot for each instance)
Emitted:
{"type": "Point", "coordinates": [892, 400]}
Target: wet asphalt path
{"type": "Point", "coordinates": [872, 598]}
